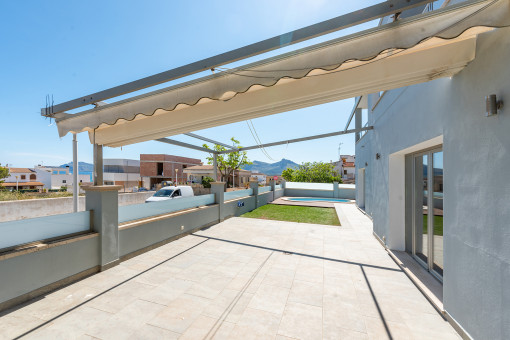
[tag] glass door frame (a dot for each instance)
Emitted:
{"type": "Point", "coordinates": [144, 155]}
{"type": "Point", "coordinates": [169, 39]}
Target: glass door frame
{"type": "Point", "coordinates": [429, 265]}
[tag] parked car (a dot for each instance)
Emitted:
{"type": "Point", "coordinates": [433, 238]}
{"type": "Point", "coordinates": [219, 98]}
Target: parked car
{"type": "Point", "coordinates": [171, 192]}
{"type": "Point", "coordinates": [142, 189]}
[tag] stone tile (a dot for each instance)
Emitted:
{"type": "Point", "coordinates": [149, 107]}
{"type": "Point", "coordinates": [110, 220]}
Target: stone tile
{"type": "Point", "coordinates": [256, 324]}
{"type": "Point", "coordinates": [116, 299]}
{"type": "Point", "coordinates": [180, 314]}
{"type": "Point", "coordinates": [16, 324]}
{"type": "Point", "coordinates": [395, 330]}
{"type": "Point", "coordinates": [167, 292]}
{"type": "Point", "coordinates": [79, 322]}
{"type": "Point", "coordinates": [301, 321]}
{"type": "Point", "coordinates": [209, 287]}
{"type": "Point", "coordinates": [311, 271]}
{"type": "Point", "coordinates": [206, 327]}
{"type": "Point", "coordinates": [340, 315]}
{"type": "Point", "coordinates": [334, 333]}
{"type": "Point", "coordinates": [148, 332]}
{"type": "Point", "coordinates": [229, 305]}
{"type": "Point", "coordinates": [419, 325]}
{"type": "Point", "coordinates": [281, 277]}
{"type": "Point", "coordinates": [309, 293]}
{"type": "Point", "coordinates": [271, 299]}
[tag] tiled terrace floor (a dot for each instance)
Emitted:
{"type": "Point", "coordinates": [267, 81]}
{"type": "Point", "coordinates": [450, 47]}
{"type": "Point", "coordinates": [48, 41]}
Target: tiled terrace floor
{"type": "Point", "coordinates": [243, 279]}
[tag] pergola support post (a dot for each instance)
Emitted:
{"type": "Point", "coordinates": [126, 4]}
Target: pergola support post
{"type": "Point", "coordinates": [98, 164]}
{"type": "Point", "coordinates": [254, 185]}
{"type": "Point", "coordinates": [218, 189]}
{"type": "Point", "coordinates": [215, 166]}
{"type": "Point", "coordinates": [103, 200]}
{"type": "Point", "coordinates": [76, 184]}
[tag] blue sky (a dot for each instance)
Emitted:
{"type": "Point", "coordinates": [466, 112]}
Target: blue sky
{"type": "Point", "coordinates": [71, 48]}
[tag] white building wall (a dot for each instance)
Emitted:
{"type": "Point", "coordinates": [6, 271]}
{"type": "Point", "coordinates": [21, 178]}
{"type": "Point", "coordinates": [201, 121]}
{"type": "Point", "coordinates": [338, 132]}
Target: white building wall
{"type": "Point", "coordinates": [476, 180]}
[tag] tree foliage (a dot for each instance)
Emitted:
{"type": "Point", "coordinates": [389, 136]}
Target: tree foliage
{"type": "Point", "coordinates": [287, 174]}
{"type": "Point", "coordinates": [4, 173]}
{"type": "Point", "coordinates": [206, 181]}
{"type": "Point", "coordinates": [312, 172]}
{"type": "Point", "coordinates": [228, 163]}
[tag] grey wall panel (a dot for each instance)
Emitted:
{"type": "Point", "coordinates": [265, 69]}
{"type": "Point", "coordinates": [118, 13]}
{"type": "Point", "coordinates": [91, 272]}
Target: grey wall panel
{"type": "Point", "coordinates": [232, 209]}
{"type": "Point", "coordinates": [265, 198]}
{"type": "Point", "coordinates": [476, 186]}
{"type": "Point", "coordinates": [142, 236]}
{"type": "Point", "coordinates": [25, 273]}
{"type": "Point", "coordinates": [279, 193]}
{"type": "Point", "coordinates": [308, 193]}
{"type": "Point", "coordinates": [347, 193]}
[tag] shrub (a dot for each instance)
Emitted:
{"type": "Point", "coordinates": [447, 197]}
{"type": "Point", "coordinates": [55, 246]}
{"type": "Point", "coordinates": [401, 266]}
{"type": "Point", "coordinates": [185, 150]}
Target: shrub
{"type": "Point", "coordinates": [206, 182]}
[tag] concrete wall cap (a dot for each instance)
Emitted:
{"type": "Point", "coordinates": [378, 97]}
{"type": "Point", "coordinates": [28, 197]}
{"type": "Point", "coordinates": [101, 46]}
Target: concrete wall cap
{"type": "Point", "coordinates": [222, 183]}
{"type": "Point", "coordinates": [102, 187]}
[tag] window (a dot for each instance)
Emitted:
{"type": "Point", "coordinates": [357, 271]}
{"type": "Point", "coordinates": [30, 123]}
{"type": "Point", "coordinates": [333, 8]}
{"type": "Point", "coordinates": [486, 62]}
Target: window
{"type": "Point", "coordinates": [177, 193]}
{"type": "Point", "coordinates": [62, 172]}
{"type": "Point", "coordinates": [345, 172]}
{"type": "Point", "coordinates": [32, 176]}
{"type": "Point", "coordinates": [55, 172]}
{"type": "Point", "coordinates": [81, 181]}
{"type": "Point", "coordinates": [160, 169]}
{"type": "Point", "coordinates": [64, 181]}
{"type": "Point", "coordinates": [23, 177]}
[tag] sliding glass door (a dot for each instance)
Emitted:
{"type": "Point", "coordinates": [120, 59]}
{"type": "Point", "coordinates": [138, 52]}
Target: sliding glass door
{"type": "Point", "coordinates": [427, 205]}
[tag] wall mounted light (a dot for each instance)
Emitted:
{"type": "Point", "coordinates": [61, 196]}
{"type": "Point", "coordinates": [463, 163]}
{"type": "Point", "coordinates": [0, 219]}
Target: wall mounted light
{"type": "Point", "coordinates": [492, 105]}
{"type": "Point", "coordinates": [377, 155]}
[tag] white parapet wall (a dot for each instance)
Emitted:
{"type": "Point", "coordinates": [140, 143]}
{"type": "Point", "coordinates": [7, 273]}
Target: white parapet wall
{"type": "Point", "coordinates": [22, 209]}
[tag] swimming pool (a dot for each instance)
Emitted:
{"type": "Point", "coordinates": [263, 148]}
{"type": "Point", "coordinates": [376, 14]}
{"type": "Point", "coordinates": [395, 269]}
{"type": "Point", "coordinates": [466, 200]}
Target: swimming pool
{"type": "Point", "coordinates": [310, 199]}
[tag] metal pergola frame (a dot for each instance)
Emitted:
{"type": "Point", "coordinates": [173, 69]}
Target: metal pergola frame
{"type": "Point", "coordinates": [338, 23]}
{"type": "Point", "coordinates": [380, 10]}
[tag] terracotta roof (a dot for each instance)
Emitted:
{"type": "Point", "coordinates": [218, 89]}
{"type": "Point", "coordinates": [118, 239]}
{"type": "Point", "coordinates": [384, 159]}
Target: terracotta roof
{"type": "Point", "coordinates": [20, 170]}
{"type": "Point", "coordinates": [349, 164]}
{"type": "Point", "coordinates": [199, 167]}
{"type": "Point", "coordinates": [23, 184]}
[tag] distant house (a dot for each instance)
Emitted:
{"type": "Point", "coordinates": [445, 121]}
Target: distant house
{"type": "Point", "coordinates": [22, 178]}
{"type": "Point", "coordinates": [345, 167]}
{"type": "Point", "coordinates": [156, 168]}
{"type": "Point", "coordinates": [56, 177]}
{"type": "Point", "coordinates": [123, 172]}
{"type": "Point", "coordinates": [260, 177]}
{"type": "Point", "coordinates": [196, 174]}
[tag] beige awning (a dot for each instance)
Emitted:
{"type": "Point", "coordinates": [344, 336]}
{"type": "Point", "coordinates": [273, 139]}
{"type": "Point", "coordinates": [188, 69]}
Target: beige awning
{"type": "Point", "coordinates": [409, 51]}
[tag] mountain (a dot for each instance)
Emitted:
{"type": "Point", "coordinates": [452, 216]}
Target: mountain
{"type": "Point", "coordinates": [82, 167]}
{"type": "Point", "coordinates": [271, 169]}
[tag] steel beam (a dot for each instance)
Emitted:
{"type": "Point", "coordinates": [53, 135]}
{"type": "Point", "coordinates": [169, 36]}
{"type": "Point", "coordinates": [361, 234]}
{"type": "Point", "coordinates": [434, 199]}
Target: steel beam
{"type": "Point", "coordinates": [325, 135]}
{"type": "Point", "coordinates": [356, 103]}
{"type": "Point", "coordinates": [361, 16]}
{"type": "Point", "coordinates": [205, 139]}
{"type": "Point", "coordinates": [184, 145]}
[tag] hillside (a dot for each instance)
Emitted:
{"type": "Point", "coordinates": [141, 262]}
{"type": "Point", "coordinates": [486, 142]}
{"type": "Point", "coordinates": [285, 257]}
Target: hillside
{"type": "Point", "coordinates": [271, 169]}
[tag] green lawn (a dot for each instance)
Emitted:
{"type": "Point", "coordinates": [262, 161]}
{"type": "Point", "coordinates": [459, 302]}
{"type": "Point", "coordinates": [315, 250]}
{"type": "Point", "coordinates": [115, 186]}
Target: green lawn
{"type": "Point", "coordinates": [295, 214]}
{"type": "Point", "coordinates": [438, 225]}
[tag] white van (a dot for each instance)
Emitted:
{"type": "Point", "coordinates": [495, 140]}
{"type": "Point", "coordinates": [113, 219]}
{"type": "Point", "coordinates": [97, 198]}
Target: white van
{"type": "Point", "coordinates": [171, 192]}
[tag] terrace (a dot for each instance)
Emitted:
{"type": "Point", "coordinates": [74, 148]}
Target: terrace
{"type": "Point", "coordinates": [243, 278]}
{"type": "Point", "coordinates": [162, 274]}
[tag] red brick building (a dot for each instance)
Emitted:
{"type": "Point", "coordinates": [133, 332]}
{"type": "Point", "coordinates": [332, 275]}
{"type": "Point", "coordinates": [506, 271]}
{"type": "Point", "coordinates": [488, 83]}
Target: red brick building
{"type": "Point", "coordinates": [155, 169]}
